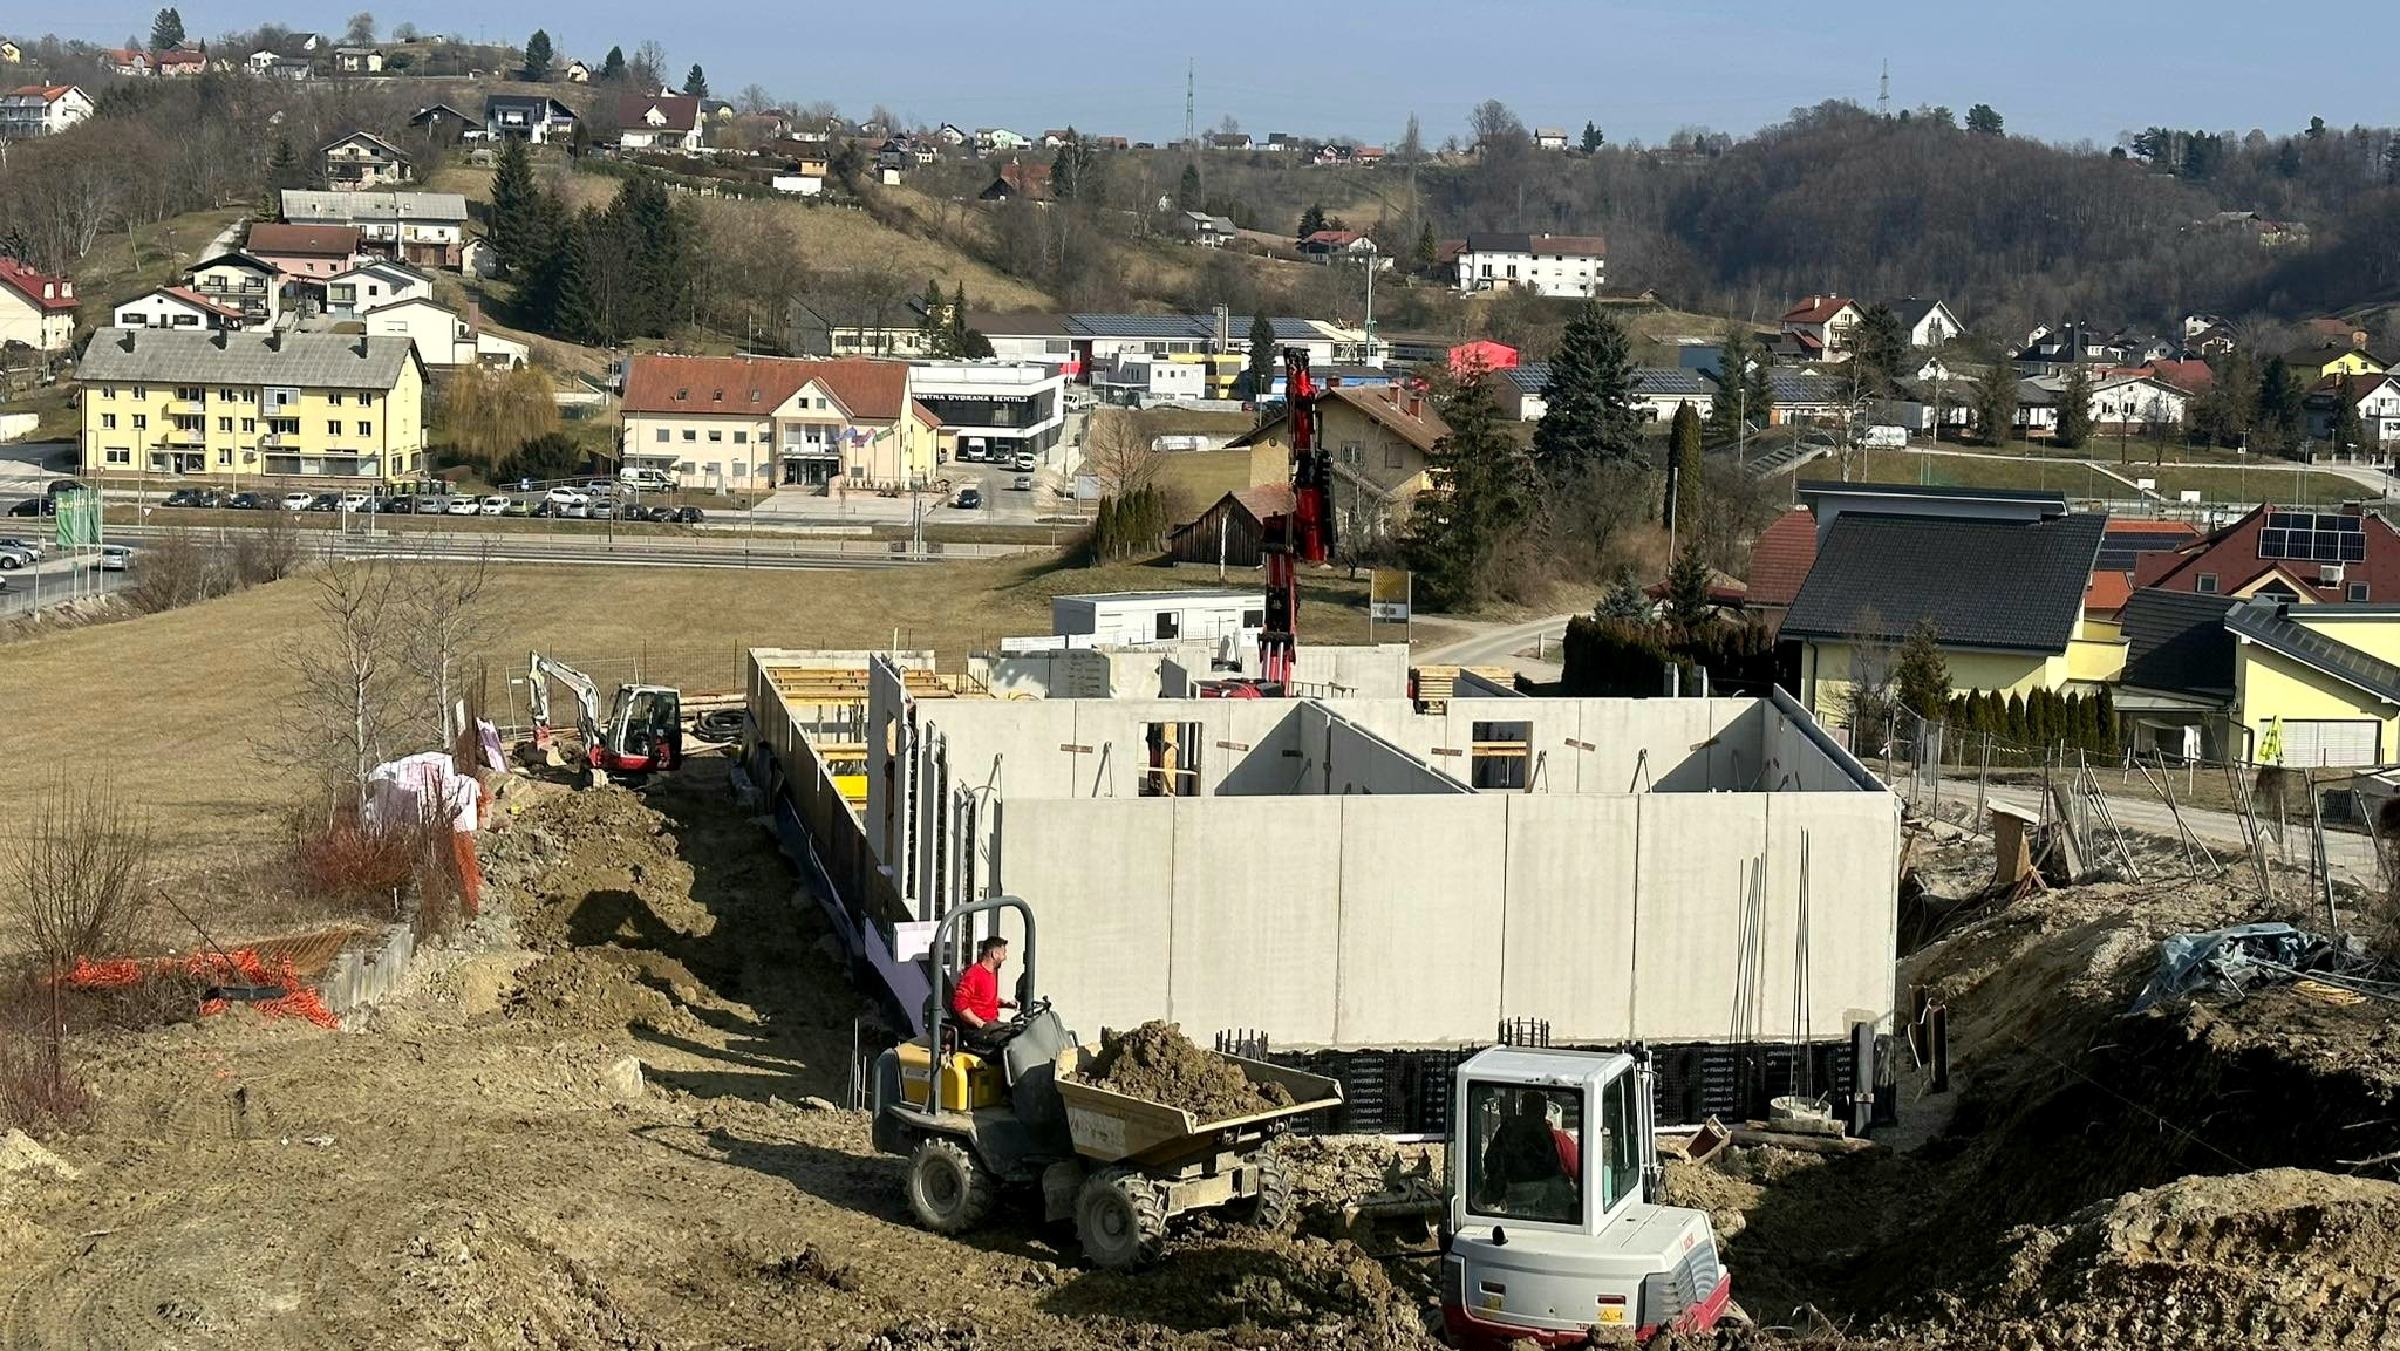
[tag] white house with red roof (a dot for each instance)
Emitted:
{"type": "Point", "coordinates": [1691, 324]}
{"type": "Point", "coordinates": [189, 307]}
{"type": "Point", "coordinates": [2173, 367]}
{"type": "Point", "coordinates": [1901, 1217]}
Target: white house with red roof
{"type": "Point", "coordinates": [36, 309]}
{"type": "Point", "coordinates": [658, 122]}
{"type": "Point", "coordinates": [41, 110]}
{"type": "Point", "coordinates": [174, 307]}
{"type": "Point", "coordinates": [1819, 328]}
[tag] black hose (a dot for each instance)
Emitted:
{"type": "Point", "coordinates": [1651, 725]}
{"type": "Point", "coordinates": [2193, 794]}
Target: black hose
{"type": "Point", "coordinates": [722, 725]}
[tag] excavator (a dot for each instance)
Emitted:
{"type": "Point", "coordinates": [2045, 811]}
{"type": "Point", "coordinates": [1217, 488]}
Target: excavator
{"type": "Point", "coordinates": [643, 734]}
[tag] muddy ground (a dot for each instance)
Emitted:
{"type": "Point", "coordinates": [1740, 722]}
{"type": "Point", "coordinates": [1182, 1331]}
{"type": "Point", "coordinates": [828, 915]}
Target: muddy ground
{"type": "Point", "coordinates": [587, 1125]}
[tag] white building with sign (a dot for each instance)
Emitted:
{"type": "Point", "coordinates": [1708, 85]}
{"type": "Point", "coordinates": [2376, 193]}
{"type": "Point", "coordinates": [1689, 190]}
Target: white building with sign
{"type": "Point", "coordinates": [992, 409]}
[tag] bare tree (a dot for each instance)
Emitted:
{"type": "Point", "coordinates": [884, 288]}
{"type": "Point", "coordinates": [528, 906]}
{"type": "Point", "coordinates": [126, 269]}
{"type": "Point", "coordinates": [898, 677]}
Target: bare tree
{"type": "Point", "coordinates": [753, 99]}
{"type": "Point", "coordinates": [443, 617]}
{"type": "Point", "coordinates": [1120, 452]}
{"type": "Point", "coordinates": [78, 877]}
{"type": "Point", "coordinates": [648, 69]}
{"type": "Point", "coordinates": [179, 569]}
{"type": "Point", "coordinates": [266, 552]}
{"type": "Point", "coordinates": [361, 31]}
{"type": "Point", "coordinates": [344, 708]}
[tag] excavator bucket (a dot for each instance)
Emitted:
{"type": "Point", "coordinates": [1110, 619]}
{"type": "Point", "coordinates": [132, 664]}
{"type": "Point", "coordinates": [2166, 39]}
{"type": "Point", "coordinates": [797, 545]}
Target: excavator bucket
{"type": "Point", "coordinates": [1403, 1217]}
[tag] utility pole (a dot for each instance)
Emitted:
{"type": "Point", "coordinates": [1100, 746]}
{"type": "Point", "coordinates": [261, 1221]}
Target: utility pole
{"type": "Point", "coordinates": [1191, 142]}
{"type": "Point", "coordinates": [1883, 91]}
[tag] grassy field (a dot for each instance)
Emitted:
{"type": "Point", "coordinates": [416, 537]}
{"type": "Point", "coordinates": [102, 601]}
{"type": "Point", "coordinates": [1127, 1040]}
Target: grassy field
{"type": "Point", "coordinates": [1199, 477]}
{"type": "Point", "coordinates": [174, 706]}
{"type": "Point", "coordinates": [122, 266]}
{"type": "Point", "coordinates": [2091, 479]}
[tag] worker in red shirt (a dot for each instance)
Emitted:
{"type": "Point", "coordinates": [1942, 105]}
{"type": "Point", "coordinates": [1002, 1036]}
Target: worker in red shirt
{"type": "Point", "coordinates": [975, 998]}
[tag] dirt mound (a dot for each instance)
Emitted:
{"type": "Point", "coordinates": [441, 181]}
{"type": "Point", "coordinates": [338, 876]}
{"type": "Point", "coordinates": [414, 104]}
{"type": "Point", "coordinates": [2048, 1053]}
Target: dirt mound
{"type": "Point", "coordinates": [2281, 1257]}
{"type": "Point", "coordinates": [1244, 1288]}
{"type": "Point", "coordinates": [1157, 1063]}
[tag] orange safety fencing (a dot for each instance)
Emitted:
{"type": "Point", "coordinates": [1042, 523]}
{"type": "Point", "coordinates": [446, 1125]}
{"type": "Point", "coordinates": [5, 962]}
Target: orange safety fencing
{"type": "Point", "coordinates": [242, 966]}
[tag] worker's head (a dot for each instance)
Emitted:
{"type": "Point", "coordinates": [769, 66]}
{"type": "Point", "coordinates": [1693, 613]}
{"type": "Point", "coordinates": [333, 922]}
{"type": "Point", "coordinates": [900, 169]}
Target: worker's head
{"type": "Point", "coordinates": [1529, 1102]}
{"type": "Point", "coordinates": [992, 952]}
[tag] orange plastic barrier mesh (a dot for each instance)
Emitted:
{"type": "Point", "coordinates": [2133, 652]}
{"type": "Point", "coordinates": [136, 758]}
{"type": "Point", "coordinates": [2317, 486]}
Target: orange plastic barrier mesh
{"type": "Point", "coordinates": [242, 966]}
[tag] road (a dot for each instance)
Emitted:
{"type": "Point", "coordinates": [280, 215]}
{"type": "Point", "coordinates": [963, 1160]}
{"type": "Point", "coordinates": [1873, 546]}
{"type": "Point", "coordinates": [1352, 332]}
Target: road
{"type": "Point", "coordinates": [49, 582]}
{"type": "Point", "coordinates": [2352, 856]}
{"type": "Point", "coordinates": [1498, 645]}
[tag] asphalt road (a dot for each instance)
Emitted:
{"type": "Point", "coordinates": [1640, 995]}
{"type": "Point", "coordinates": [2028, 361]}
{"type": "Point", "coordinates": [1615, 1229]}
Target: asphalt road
{"type": "Point", "coordinates": [702, 551]}
{"type": "Point", "coordinates": [50, 581]}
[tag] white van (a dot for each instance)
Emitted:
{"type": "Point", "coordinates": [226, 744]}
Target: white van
{"type": "Point", "coordinates": [1884, 437]}
{"type": "Point", "coordinates": [646, 479]}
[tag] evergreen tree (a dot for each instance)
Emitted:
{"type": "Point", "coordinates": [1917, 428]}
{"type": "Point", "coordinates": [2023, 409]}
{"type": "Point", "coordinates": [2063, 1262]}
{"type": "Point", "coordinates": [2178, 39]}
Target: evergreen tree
{"type": "Point", "coordinates": [1880, 346]}
{"type": "Point", "coordinates": [1188, 192]}
{"type": "Point", "coordinates": [1985, 120]}
{"type": "Point", "coordinates": [1592, 139]}
{"type": "Point", "coordinates": [1743, 396]}
{"type": "Point", "coordinates": [1483, 498]}
{"type": "Point", "coordinates": [2346, 429]}
{"type": "Point", "coordinates": [2104, 712]}
{"type": "Point", "coordinates": [2279, 406]}
{"type": "Point", "coordinates": [515, 208]}
{"type": "Point", "coordinates": [960, 334]}
{"type": "Point", "coordinates": [662, 254]}
{"type": "Point", "coordinates": [557, 295]}
{"type": "Point", "coordinates": [2075, 407]}
{"type": "Point", "coordinates": [1259, 375]}
{"type": "Point", "coordinates": [2015, 730]}
{"type": "Point", "coordinates": [285, 172]}
{"type": "Point", "coordinates": [1623, 599]}
{"type": "Point", "coordinates": [1684, 473]}
{"type": "Point", "coordinates": [1311, 220]}
{"type": "Point", "coordinates": [538, 55]}
{"type": "Point", "coordinates": [1995, 397]}
{"type": "Point", "coordinates": [1421, 258]}
{"type": "Point", "coordinates": [1590, 419]}
{"type": "Point", "coordinates": [1687, 587]}
{"type": "Point", "coordinates": [612, 67]}
{"type": "Point", "coordinates": [166, 30]}
{"type": "Point", "coordinates": [1920, 678]}
{"type": "Point", "coordinates": [932, 325]}
{"type": "Point", "coordinates": [695, 82]}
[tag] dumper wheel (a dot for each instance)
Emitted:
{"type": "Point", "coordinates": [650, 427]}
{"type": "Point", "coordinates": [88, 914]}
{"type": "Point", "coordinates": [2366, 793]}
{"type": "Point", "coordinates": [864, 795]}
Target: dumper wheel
{"type": "Point", "coordinates": [1120, 1219]}
{"type": "Point", "coordinates": [949, 1189]}
{"type": "Point", "coordinates": [1271, 1208]}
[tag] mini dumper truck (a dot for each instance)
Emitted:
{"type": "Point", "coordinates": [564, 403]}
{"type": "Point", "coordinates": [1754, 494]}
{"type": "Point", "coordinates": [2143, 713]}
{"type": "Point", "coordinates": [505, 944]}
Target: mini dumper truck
{"type": "Point", "coordinates": [1120, 1168]}
{"type": "Point", "coordinates": [1550, 1237]}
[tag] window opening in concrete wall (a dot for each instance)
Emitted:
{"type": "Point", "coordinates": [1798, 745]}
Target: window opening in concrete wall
{"type": "Point", "coordinates": [1502, 756]}
{"type": "Point", "coordinates": [1174, 767]}
{"type": "Point", "coordinates": [1167, 627]}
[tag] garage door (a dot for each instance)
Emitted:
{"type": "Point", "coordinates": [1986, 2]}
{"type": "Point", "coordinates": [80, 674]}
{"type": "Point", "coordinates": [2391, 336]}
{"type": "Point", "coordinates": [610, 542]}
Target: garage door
{"type": "Point", "coordinates": [2311, 743]}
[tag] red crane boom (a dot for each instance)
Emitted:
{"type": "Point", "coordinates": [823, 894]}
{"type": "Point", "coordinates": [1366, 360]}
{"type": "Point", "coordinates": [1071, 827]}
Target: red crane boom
{"type": "Point", "coordinates": [1304, 534]}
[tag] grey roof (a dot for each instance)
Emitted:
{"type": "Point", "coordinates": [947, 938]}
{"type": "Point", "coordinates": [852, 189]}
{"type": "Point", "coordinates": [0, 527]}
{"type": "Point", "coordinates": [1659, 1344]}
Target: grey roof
{"type": "Point", "coordinates": [1184, 326]}
{"type": "Point", "coordinates": [1521, 241]}
{"type": "Point", "coordinates": [1659, 380]}
{"type": "Point", "coordinates": [1912, 310]}
{"type": "Point", "coordinates": [2128, 540]}
{"type": "Point", "coordinates": [303, 360]}
{"type": "Point", "coordinates": [2176, 641]}
{"type": "Point", "coordinates": [301, 206]}
{"type": "Point", "coordinates": [2001, 585]}
{"type": "Point", "coordinates": [2262, 621]}
{"type": "Point", "coordinates": [1801, 387]}
{"type": "Point", "coordinates": [539, 104]}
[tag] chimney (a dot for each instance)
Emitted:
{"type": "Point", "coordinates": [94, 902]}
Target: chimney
{"type": "Point", "coordinates": [217, 339]}
{"type": "Point", "coordinates": [126, 342]}
{"type": "Point", "coordinates": [361, 347]}
{"type": "Point", "coordinates": [274, 339]}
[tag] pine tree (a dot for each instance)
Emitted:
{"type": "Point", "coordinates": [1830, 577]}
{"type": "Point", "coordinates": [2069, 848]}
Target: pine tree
{"type": "Point", "coordinates": [1189, 195]}
{"type": "Point", "coordinates": [1920, 678]}
{"type": "Point", "coordinates": [1259, 375]}
{"type": "Point", "coordinates": [1743, 396]}
{"type": "Point", "coordinates": [1592, 139]}
{"type": "Point", "coordinates": [932, 325]}
{"type": "Point", "coordinates": [1590, 418]}
{"type": "Point", "coordinates": [1483, 498]}
{"type": "Point", "coordinates": [2104, 712]}
{"type": "Point", "coordinates": [2279, 406]}
{"type": "Point", "coordinates": [538, 55]}
{"type": "Point", "coordinates": [695, 82]}
{"type": "Point", "coordinates": [556, 294]}
{"type": "Point", "coordinates": [2017, 731]}
{"type": "Point", "coordinates": [1880, 346]}
{"type": "Point", "coordinates": [1421, 258]}
{"type": "Point", "coordinates": [1311, 220]}
{"type": "Point", "coordinates": [1985, 120]}
{"type": "Point", "coordinates": [612, 67]}
{"type": "Point", "coordinates": [515, 207]}
{"type": "Point", "coordinates": [1996, 403]}
{"type": "Point", "coordinates": [166, 30]}
{"type": "Point", "coordinates": [2075, 407]}
{"type": "Point", "coordinates": [1684, 473]}
{"type": "Point", "coordinates": [1687, 587]}
{"type": "Point", "coordinates": [285, 172]}
{"type": "Point", "coordinates": [961, 335]}
{"type": "Point", "coordinates": [2346, 429]}
{"type": "Point", "coordinates": [1622, 599]}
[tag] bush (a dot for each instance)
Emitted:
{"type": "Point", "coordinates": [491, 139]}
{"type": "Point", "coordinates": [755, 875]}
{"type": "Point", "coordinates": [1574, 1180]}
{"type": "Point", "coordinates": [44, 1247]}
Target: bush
{"type": "Point", "coordinates": [1615, 657]}
{"type": "Point", "coordinates": [390, 872]}
{"type": "Point", "coordinates": [1133, 525]}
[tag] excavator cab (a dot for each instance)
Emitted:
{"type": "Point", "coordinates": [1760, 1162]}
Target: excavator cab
{"type": "Point", "coordinates": [645, 731]}
{"type": "Point", "coordinates": [1551, 1234]}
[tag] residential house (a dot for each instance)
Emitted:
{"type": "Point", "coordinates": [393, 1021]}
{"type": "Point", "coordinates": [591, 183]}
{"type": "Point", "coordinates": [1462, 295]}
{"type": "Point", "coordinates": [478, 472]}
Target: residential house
{"type": "Point", "coordinates": [2137, 405]}
{"type": "Point", "coordinates": [1378, 439]}
{"type": "Point", "coordinates": [950, 133]}
{"type": "Point", "coordinates": [1550, 138]}
{"type": "Point", "coordinates": [178, 63]}
{"type": "Point", "coordinates": [1352, 247]}
{"type": "Point", "coordinates": [1657, 391]}
{"type": "Point", "coordinates": [534, 118]}
{"type": "Point", "coordinates": [1367, 155]}
{"type": "Point", "coordinates": [1925, 322]}
{"type": "Point", "coordinates": [897, 155]}
{"type": "Point", "coordinates": [575, 72]}
{"type": "Point", "coordinates": [2193, 377]}
{"type": "Point", "coordinates": [2037, 409]}
{"type": "Point", "coordinates": [178, 307]}
{"type": "Point", "coordinates": [36, 309]}
{"type": "Point", "coordinates": [443, 338]}
{"type": "Point", "coordinates": [127, 61]}
{"type": "Point", "coordinates": [428, 229]}
{"type": "Point", "coordinates": [658, 122]}
{"type": "Point", "coordinates": [1141, 380]}
{"type": "Point", "coordinates": [372, 285]}
{"type": "Point", "coordinates": [2345, 555]}
{"type": "Point", "coordinates": [1807, 398]}
{"type": "Point", "coordinates": [2000, 574]}
{"type": "Point", "coordinates": [363, 159]}
{"type": "Point", "coordinates": [1205, 230]}
{"type": "Point", "coordinates": [10, 53]}
{"type": "Point", "coordinates": [2314, 361]}
{"type": "Point", "coordinates": [1019, 179]}
{"type": "Point", "coordinates": [306, 252]}
{"type": "Point", "coordinates": [2049, 351]}
{"type": "Point", "coordinates": [1056, 137]}
{"type": "Point", "coordinates": [445, 125]}
{"type": "Point", "coordinates": [41, 110]}
{"type": "Point", "coordinates": [1819, 328]}
{"type": "Point", "coordinates": [307, 405]}
{"type": "Point", "coordinates": [357, 61]}
{"type": "Point", "coordinates": [999, 139]}
{"type": "Point", "coordinates": [2121, 550]}
{"type": "Point", "coordinates": [1228, 140]}
{"type": "Point", "coordinates": [267, 65]}
{"type": "Point", "coordinates": [801, 173]}
{"type": "Point", "coordinates": [239, 281]}
{"type": "Point", "coordinates": [1779, 562]}
{"type": "Point", "coordinates": [1080, 345]}
{"type": "Point", "coordinates": [1546, 264]}
{"type": "Point", "coordinates": [2375, 399]}
{"type": "Point", "coordinates": [752, 424]}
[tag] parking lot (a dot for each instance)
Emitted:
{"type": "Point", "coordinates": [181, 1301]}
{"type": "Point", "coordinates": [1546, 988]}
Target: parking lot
{"type": "Point", "coordinates": [589, 501]}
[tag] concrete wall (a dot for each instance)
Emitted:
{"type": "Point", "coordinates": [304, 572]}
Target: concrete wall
{"type": "Point", "coordinates": [367, 970]}
{"type": "Point", "coordinates": [1589, 745]}
{"type": "Point", "coordinates": [1351, 759]}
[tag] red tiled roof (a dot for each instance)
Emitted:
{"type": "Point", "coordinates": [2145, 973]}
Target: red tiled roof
{"type": "Point", "coordinates": [1782, 556]}
{"type": "Point", "coordinates": [1447, 251]}
{"type": "Point", "coordinates": [2192, 377]}
{"type": "Point", "coordinates": [2108, 592]}
{"type": "Point", "coordinates": [1815, 309]}
{"type": "Point", "coordinates": [2231, 557]}
{"type": "Point", "coordinates": [191, 297]}
{"type": "Point", "coordinates": [44, 292]}
{"type": "Point", "coordinates": [50, 93]}
{"type": "Point", "coordinates": [924, 414]}
{"type": "Point", "coordinates": [866, 388]}
{"type": "Point", "coordinates": [330, 241]}
{"type": "Point", "coordinates": [179, 57]}
{"type": "Point", "coordinates": [2352, 387]}
{"type": "Point", "coordinates": [1334, 238]}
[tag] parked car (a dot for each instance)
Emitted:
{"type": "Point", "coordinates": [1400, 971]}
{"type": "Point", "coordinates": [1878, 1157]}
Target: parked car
{"type": "Point", "coordinates": [1023, 461]}
{"type": "Point", "coordinates": [355, 502]}
{"type": "Point", "coordinates": [970, 454]}
{"type": "Point", "coordinates": [325, 502]}
{"type": "Point", "coordinates": [516, 507]}
{"type": "Point", "coordinates": [185, 497]}
{"type": "Point", "coordinates": [689, 515]}
{"type": "Point", "coordinates": [396, 506]}
{"type": "Point", "coordinates": [495, 505]}
{"type": "Point", "coordinates": [116, 557]}
{"type": "Point", "coordinates": [968, 499]}
{"type": "Point", "coordinates": [13, 542]}
{"type": "Point", "coordinates": [431, 504]}
{"type": "Point", "coordinates": [1022, 484]}
{"type": "Point", "coordinates": [297, 501]}
{"type": "Point", "coordinates": [578, 509]}
{"type": "Point", "coordinates": [461, 506]}
{"type": "Point", "coordinates": [247, 501]}
{"type": "Point", "coordinates": [562, 496]}
{"type": "Point", "coordinates": [34, 506]}
{"type": "Point", "coordinates": [13, 559]}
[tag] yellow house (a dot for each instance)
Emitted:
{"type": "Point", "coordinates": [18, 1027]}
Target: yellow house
{"type": "Point", "coordinates": [1377, 437]}
{"type": "Point", "coordinates": [2000, 574]}
{"type": "Point", "coordinates": [2312, 364]}
{"type": "Point", "coordinates": [222, 405]}
{"type": "Point", "coordinates": [754, 424]}
{"type": "Point", "coordinates": [2316, 685]}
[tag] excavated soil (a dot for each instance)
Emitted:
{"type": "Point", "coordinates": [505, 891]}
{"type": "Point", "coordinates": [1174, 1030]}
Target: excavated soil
{"type": "Point", "coordinates": [1157, 1063]}
{"type": "Point", "coordinates": [602, 1119]}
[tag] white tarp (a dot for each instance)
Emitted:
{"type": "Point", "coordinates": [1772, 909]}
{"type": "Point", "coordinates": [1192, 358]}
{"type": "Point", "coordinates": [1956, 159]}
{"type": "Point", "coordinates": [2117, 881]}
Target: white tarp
{"type": "Point", "coordinates": [426, 787]}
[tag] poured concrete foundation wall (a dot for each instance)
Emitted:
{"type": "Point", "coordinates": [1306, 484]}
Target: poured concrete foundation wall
{"type": "Point", "coordinates": [1414, 919]}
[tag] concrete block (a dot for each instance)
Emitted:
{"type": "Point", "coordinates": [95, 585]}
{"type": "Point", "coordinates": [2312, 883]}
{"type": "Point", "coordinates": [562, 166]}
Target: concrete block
{"type": "Point", "coordinates": [1257, 916]}
{"type": "Point", "coordinates": [1688, 933]}
{"type": "Point", "coordinates": [1100, 877]}
{"type": "Point", "coordinates": [1423, 895]}
{"type": "Point", "coordinates": [1567, 930]}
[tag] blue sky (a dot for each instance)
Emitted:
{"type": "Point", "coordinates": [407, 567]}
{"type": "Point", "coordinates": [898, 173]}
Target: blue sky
{"type": "Point", "coordinates": [2060, 71]}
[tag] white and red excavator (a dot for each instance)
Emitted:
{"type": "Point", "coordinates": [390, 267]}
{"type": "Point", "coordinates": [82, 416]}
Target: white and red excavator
{"type": "Point", "coordinates": [643, 734]}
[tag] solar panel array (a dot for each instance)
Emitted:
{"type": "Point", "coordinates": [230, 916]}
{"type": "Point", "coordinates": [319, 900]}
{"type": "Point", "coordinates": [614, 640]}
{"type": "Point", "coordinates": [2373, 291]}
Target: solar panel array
{"type": "Point", "coordinates": [2120, 548]}
{"type": "Point", "coordinates": [2313, 537]}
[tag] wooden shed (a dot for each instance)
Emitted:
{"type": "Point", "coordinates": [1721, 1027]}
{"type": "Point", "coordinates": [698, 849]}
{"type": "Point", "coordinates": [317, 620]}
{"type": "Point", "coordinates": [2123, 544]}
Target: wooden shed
{"type": "Point", "coordinates": [1232, 530]}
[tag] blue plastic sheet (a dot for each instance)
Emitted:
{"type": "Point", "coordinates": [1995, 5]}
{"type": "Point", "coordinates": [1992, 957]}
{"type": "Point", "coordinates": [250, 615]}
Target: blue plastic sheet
{"type": "Point", "coordinates": [2226, 958]}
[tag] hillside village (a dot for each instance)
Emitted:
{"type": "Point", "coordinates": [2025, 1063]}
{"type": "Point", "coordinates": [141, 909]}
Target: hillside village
{"type": "Point", "coordinates": [594, 616]}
